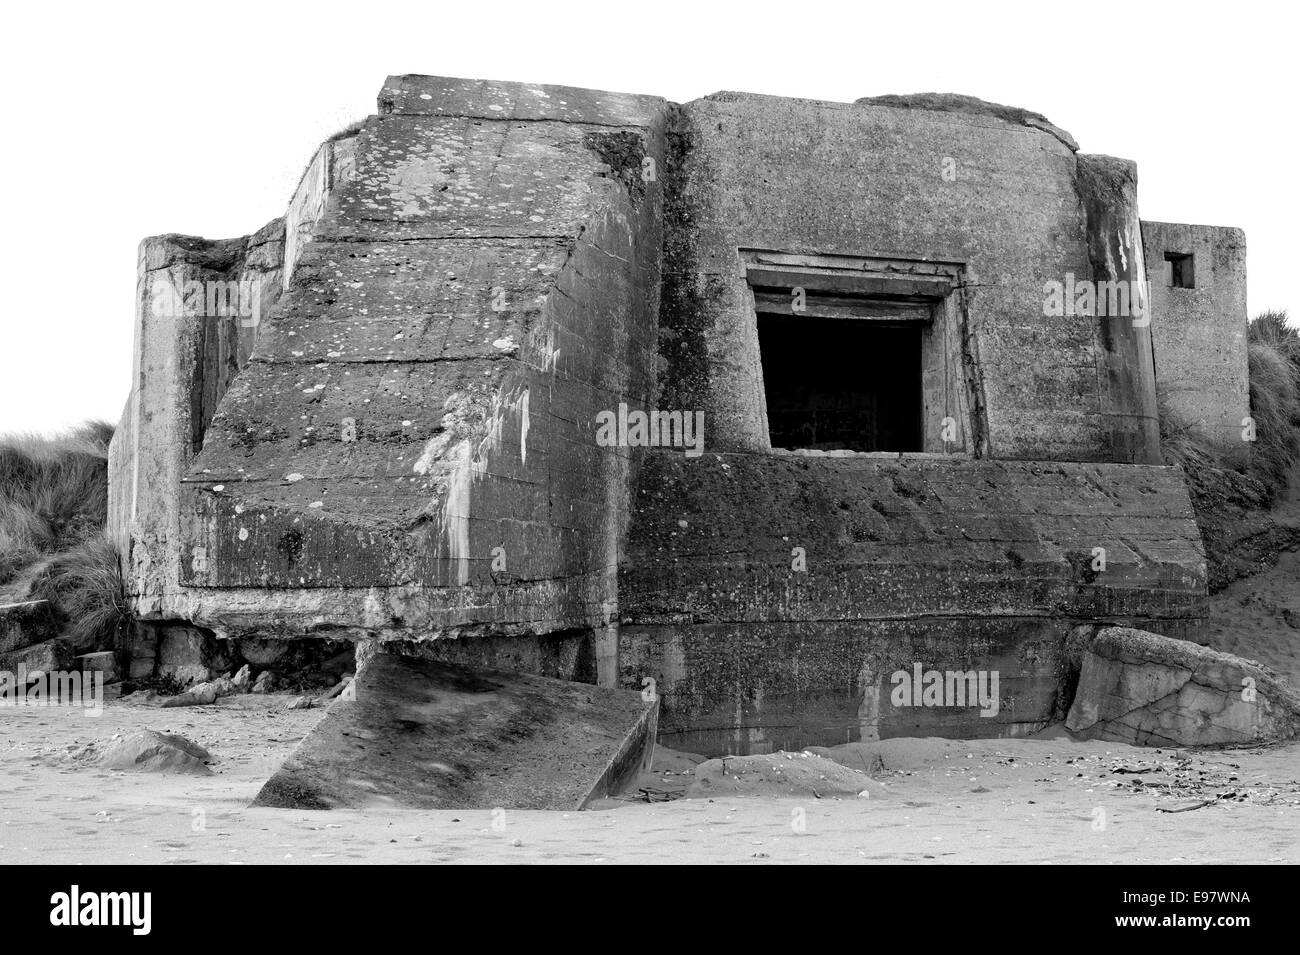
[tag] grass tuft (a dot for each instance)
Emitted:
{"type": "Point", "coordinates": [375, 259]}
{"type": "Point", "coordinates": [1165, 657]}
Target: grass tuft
{"type": "Point", "coordinates": [1274, 398]}
{"type": "Point", "coordinates": [84, 584]}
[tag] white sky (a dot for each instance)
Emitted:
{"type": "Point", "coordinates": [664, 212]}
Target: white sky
{"type": "Point", "coordinates": [127, 120]}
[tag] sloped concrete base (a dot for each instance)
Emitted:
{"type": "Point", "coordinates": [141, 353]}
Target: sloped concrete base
{"type": "Point", "coordinates": [430, 735]}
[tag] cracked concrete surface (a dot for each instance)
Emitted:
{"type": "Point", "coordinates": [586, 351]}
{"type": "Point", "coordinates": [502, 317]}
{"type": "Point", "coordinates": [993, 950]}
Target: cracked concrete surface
{"type": "Point", "coordinates": [1150, 690]}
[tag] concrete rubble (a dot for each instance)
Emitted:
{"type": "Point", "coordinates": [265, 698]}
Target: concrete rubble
{"type": "Point", "coordinates": [422, 734]}
{"type": "Point", "coordinates": [1148, 690]}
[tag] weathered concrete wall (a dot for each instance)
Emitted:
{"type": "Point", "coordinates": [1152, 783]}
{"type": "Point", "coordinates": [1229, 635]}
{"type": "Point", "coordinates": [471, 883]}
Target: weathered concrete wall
{"type": "Point", "coordinates": [185, 358]}
{"type": "Point", "coordinates": [1000, 196]}
{"type": "Point", "coordinates": [334, 162]}
{"type": "Point", "coordinates": [411, 449]}
{"type": "Point", "coordinates": [763, 687]}
{"type": "Point", "coordinates": [1200, 332]}
{"type": "Point", "coordinates": [1108, 187]}
{"type": "Point", "coordinates": [950, 563]}
{"type": "Point", "coordinates": [189, 347]}
{"type": "Point", "coordinates": [941, 561]}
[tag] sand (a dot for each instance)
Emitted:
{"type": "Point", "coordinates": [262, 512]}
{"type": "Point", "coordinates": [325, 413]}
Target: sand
{"type": "Point", "coordinates": [1258, 617]}
{"type": "Point", "coordinates": [1036, 801]}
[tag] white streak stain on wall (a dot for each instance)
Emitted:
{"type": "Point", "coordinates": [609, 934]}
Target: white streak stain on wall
{"type": "Point", "coordinates": [468, 465]}
{"type": "Point", "coordinates": [523, 430]}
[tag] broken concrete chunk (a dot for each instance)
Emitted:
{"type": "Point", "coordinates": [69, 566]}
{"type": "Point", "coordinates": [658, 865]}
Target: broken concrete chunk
{"type": "Point", "coordinates": [104, 662]}
{"type": "Point", "coordinates": [426, 734]}
{"type": "Point", "coordinates": [204, 693]}
{"type": "Point", "coordinates": [45, 657]}
{"type": "Point", "coordinates": [26, 623]}
{"type": "Point", "coordinates": [1142, 688]}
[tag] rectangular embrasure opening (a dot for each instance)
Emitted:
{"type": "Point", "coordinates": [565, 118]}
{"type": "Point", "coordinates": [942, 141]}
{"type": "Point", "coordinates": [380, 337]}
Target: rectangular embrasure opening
{"type": "Point", "coordinates": [1180, 270]}
{"type": "Point", "coordinates": [842, 384]}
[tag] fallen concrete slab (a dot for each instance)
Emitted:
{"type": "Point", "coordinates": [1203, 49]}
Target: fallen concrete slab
{"type": "Point", "coordinates": [430, 735]}
{"type": "Point", "coordinates": [1149, 690]}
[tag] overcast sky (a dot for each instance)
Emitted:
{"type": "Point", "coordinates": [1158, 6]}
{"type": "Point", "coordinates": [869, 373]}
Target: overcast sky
{"type": "Point", "coordinates": [128, 120]}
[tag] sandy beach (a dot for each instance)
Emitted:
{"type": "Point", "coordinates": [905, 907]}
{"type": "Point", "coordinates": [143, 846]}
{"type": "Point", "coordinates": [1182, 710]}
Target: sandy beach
{"type": "Point", "coordinates": [1051, 801]}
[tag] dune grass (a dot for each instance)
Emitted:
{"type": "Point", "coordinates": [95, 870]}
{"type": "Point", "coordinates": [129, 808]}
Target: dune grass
{"type": "Point", "coordinates": [1274, 356]}
{"type": "Point", "coordinates": [1275, 329]}
{"type": "Point", "coordinates": [1275, 397]}
{"type": "Point", "coordinates": [53, 510]}
{"type": "Point", "coordinates": [84, 584]}
{"type": "Point", "coordinates": [53, 493]}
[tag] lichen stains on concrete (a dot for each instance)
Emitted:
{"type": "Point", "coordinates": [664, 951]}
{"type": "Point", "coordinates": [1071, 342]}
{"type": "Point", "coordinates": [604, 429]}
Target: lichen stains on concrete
{"type": "Point", "coordinates": [414, 182]}
{"type": "Point", "coordinates": [624, 153]}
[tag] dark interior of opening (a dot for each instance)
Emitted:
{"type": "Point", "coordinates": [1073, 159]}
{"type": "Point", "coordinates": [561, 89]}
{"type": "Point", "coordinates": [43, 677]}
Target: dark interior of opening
{"type": "Point", "coordinates": [837, 384]}
{"type": "Point", "coordinates": [1182, 271]}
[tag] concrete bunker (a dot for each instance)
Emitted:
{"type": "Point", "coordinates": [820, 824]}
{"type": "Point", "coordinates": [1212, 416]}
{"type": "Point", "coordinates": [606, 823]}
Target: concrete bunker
{"type": "Point", "coordinates": [408, 453]}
